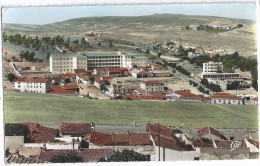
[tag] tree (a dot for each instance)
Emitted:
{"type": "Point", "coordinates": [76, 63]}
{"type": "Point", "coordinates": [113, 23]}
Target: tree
{"type": "Point", "coordinates": [48, 56]}
{"type": "Point", "coordinates": [124, 156]}
{"type": "Point", "coordinates": [83, 41]}
{"type": "Point", "coordinates": [187, 27]}
{"type": "Point", "coordinates": [11, 77]}
{"type": "Point", "coordinates": [147, 51]}
{"type": "Point", "coordinates": [15, 129]}
{"type": "Point", "coordinates": [233, 85]}
{"type": "Point", "coordinates": [92, 79]}
{"type": "Point", "coordinates": [239, 25]}
{"type": "Point", "coordinates": [76, 42]}
{"type": "Point", "coordinates": [67, 80]}
{"type": "Point", "coordinates": [69, 158]}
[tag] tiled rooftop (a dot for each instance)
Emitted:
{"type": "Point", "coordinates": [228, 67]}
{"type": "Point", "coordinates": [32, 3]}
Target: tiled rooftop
{"type": "Point", "coordinates": [63, 75]}
{"type": "Point", "coordinates": [38, 133]}
{"type": "Point", "coordinates": [186, 94]}
{"type": "Point", "coordinates": [227, 144]}
{"type": "Point", "coordinates": [79, 71]}
{"type": "Point", "coordinates": [71, 128]}
{"type": "Point", "coordinates": [87, 155]}
{"type": "Point", "coordinates": [31, 80]}
{"type": "Point", "coordinates": [152, 82]}
{"type": "Point", "coordinates": [225, 96]}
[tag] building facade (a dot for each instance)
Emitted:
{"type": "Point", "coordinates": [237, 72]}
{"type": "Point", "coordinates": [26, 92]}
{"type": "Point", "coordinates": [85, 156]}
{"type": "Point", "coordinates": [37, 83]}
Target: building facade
{"type": "Point", "coordinates": [152, 86]}
{"type": "Point", "coordinates": [91, 60]}
{"type": "Point", "coordinates": [212, 67]}
{"type": "Point", "coordinates": [33, 85]}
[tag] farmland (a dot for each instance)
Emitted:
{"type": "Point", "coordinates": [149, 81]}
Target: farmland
{"type": "Point", "coordinates": [50, 109]}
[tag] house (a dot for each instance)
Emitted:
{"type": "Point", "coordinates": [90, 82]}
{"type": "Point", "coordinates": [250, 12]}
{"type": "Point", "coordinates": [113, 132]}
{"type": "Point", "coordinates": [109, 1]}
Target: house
{"type": "Point", "coordinates": [79, 71]}
{"type": "Point", "coordinates": [168, 147]}
{"type": "Point", "coordinates": [32, 85]}
{"type": "Point", "coordinates": [72, 89]}
{"type": "Point", "coordinates": [141, 97]}
{"type": "Point", "coordinates": [254, 101]}
{"type": "Point", "coordinates": [187, 96]}
{"type": "Point", "coordinates": [118, 72]}
{"type": "Point", "coordinates": [140, 142]}
{"type": "Point", "coordinates": [226, 98]}
{"type": "Point", "coordinates": [100, 71]}
{"type": "Point", "coordinates": [87, 155]}
{"type": "Point", "coordinates": [99, 83]}
{"type": "Point", "coordinates": [152, 86]}
{"type": "Point", "coordinates": [161, 73]}
{"type": "Point", "coordinates": [210, 133]}
{"type": "Point", "coordinates": [75, 129]}
{"type": "Point", "coordinates": [224, 150]}
{"type": "Point", "coordinates": [119, 88]}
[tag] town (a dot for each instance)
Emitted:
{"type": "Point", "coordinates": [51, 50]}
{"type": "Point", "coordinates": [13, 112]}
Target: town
{"type": "Point", "coordinates": [89, 96]}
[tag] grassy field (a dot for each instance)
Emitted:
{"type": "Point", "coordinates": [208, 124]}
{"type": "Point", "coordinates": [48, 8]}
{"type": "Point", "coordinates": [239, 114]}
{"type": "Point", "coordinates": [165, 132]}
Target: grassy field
{"type": "Point", "coordinates": [50, 109]}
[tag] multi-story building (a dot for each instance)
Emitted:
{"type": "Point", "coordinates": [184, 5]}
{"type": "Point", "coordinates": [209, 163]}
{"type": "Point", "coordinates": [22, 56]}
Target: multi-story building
{"type": "Point", "coordinates": [152, 86]}
{"type": "Point", "coordinates": [65, 63]}
{"type": "Point", "coordinates": [212, 67]}
{"type": "Point", "coordinates": [33, 85]}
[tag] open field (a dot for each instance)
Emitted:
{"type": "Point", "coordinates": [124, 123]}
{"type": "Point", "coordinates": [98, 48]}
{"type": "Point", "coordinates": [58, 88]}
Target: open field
{"type": "Point", "coordinates": [50, 110]}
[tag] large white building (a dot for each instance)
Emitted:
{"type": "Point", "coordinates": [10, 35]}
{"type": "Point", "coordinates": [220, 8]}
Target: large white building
{"type": "Point", "coordinates": [212, 67]}
{"type": "Point", "coordinates": [32, 85]}
{"type": "Point", "coordinates": [66, 63]}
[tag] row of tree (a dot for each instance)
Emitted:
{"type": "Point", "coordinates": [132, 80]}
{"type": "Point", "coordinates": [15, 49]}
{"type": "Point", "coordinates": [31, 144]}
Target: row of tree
{"type": "Point", "coordinates": [211, 86]}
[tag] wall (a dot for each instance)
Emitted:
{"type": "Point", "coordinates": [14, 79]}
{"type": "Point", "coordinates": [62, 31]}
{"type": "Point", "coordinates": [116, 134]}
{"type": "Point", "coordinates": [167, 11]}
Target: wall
{"type": "Point", "coordinates": [167, 154]}
{"type": "Point", "coordinates": [52, 145]}
{"type": "Point", "coordinates": [14, 141]}
{"type": "Point", "coordinates": [227, 101]}
{"type": "Point", "coordinates": [252, 148]}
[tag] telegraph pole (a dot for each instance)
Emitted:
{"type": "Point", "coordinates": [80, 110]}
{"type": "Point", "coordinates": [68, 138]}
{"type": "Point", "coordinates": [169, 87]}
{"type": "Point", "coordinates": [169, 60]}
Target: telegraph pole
{"type": "Point", "coordinates": [159, 142]}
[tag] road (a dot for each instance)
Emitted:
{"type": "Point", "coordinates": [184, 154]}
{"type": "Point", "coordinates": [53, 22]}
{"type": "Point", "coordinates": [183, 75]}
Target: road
{"type": "Point", "coordinates": [92, 91]}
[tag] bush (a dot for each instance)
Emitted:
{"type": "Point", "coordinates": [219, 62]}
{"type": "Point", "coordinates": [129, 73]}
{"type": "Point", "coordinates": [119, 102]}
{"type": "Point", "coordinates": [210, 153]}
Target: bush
{"type": "Point", "coordinates": [15, 129]}
{"type": "Point", "coordinates": [11, 77]}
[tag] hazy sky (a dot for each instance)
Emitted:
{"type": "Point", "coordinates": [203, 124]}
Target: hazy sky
{"type": "Point", "coordinates": [45, 15]}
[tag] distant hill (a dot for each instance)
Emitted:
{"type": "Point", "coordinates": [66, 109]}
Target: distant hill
{"type": "Point", "coordinates": [112, 22]}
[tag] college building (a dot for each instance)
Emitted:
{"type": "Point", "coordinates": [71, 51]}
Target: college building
{"type": "Point", "coordinates": [66, 63]}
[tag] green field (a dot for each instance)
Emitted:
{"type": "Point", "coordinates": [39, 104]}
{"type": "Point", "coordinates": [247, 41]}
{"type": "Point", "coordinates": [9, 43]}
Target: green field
{"type": "Point", "coordinates": [50, 109]}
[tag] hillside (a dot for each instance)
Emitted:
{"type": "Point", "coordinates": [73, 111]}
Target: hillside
{"type": "Point", "coordinates": [50, 109]}
{"type": "Point", "coordinates": [158, 27]}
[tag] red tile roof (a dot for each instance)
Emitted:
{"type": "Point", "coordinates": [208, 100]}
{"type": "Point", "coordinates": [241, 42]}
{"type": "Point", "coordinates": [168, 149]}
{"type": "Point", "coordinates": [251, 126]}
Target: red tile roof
{"type": "Point", "coordinates": [79, 71]}
{"type": "Point", "coordinates": [186, 94]}
{"type": "Point", "coordinates": [107, 78]}
{"type": "Point", "coordinates": [75, 128]}
{"type": "Point", "coordinates": [63, 75]}
{"type": "Point", "coordinates": [64, 87]}
{"type": "Point", "coordinates": [84, 76]}
{"type": "Point", "coordinates": [156, 65]}
{"type": "Point", "coordinates": [87, 155]}
{"type": "Point", "coordinates": [95, 75]}
{"type": "Point", "coordinates": [101, 138]}
{"type": "Point", "coordinates": [154, 129]}
{"type": "Point", "coordinates": [144, 69]}
{"type": "Point", "coordinates": [255, 98]}
{"type": "Point", "coordinates": [153, 93]}
{"type": "Point", "coordinates": [225, 96]}
{"type": "Point", "coordinates": [164, 137]}
{"type": "Point", "coordinates": [152, 82]}
{"type": "Point", "coordinates": [117, 70]}
{"type": "Point", "coordinates": [120, 139]}
{"type": "Point", "coordinates": [141, 97]}
{"type": "Point", "coordinates": [102, 69]}
{"type": "Point", "coordinates": [205, 130]}
{"type": "Point", "coordinates": [31, 80]}
{"type": "Point", "coordinates": [227, 143]}
{"type": "Point", "coordinates": [38, 133]}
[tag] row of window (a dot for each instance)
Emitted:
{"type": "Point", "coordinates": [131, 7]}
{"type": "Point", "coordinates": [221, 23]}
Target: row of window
{"type": "Point", "coordinates": [38, 91]}
{"type": "Point", "coordinates": [99, 57]}
{"type": "Point", "coordinates": [103, 64]}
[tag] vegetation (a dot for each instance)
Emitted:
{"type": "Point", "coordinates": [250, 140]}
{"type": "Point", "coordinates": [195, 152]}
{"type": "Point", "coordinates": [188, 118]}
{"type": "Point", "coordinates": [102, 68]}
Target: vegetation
{"type": "Point", "coordinates": [233, 86]}
{"type": "Point", "coordinates": [151, 57]}
{"type": "Point", "coordinates": [193, 83]}
{"type": "Point", "coordinates": [182, 70]}
{"type": "Point", "coordinates": [206, 140]}
{"type": "Point", "coordinates": [177, 131]}
{"type": "Point", "coordinates": [11, 77]}
{"type": "Point", "coordinates": [29, 56]}
{"type": "Point", "coordinates": [51, 109]}
{"type": "Point", "coordinates": [15, 129]}
{"type": "Point", "coordinates": [69, 158]}
{"type": "Point", "coordinates": [125, 156]}
{"type": "Point", "coordinates": [211, 86]}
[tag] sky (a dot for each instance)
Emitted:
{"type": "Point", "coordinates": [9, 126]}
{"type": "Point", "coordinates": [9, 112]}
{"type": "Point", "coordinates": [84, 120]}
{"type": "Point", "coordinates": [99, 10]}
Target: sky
{"type": "Point", "coordinates": [45, 15]}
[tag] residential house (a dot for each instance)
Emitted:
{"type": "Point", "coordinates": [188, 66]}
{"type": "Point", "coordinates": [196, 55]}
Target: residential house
{"type": "Point", "coordinates": [100, 71]}
{"type": "Point", "coordinates": [140, 142]}
{"type": "Point", "coordinates": [75, 129]}
{"type": "Point", "coordinates": [32, 85]}
{"type": "Point", "coordinates": [79, 71]}
{"type": "Point", "coordinates": [226, 98]}
{"type": "Point", "coordinates": [152, 86]}
{"type": "Point", "coordinates": [210, 133]}
{"type": "Point", "coordinates": [168, 147]}
{"type": "Point", "coordinates": [187, 96]}
{"type": "Point", "coordinates": [72, 89]}
{"type": "Point", "coordinates": [118, 72]}
{"type": "Point", "coordinates": [87, 155]}
{"type": "Point", "coordinates": [254, 101]}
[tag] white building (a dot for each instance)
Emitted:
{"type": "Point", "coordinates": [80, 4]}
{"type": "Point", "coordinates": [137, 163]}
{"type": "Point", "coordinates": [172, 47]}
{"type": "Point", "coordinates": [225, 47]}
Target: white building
{"type": "Point", "coordinates": [226, 98]}
{"type": "Point", "coordinates": [66, 63]}
{"type": "Point", "coordinates": [212, 67]}
{"type": "Point", "coordinates": [32, 85]}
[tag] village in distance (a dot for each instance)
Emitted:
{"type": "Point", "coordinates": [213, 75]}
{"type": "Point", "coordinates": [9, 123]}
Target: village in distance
{"type": "Point", "coordinates": [162, 87]}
